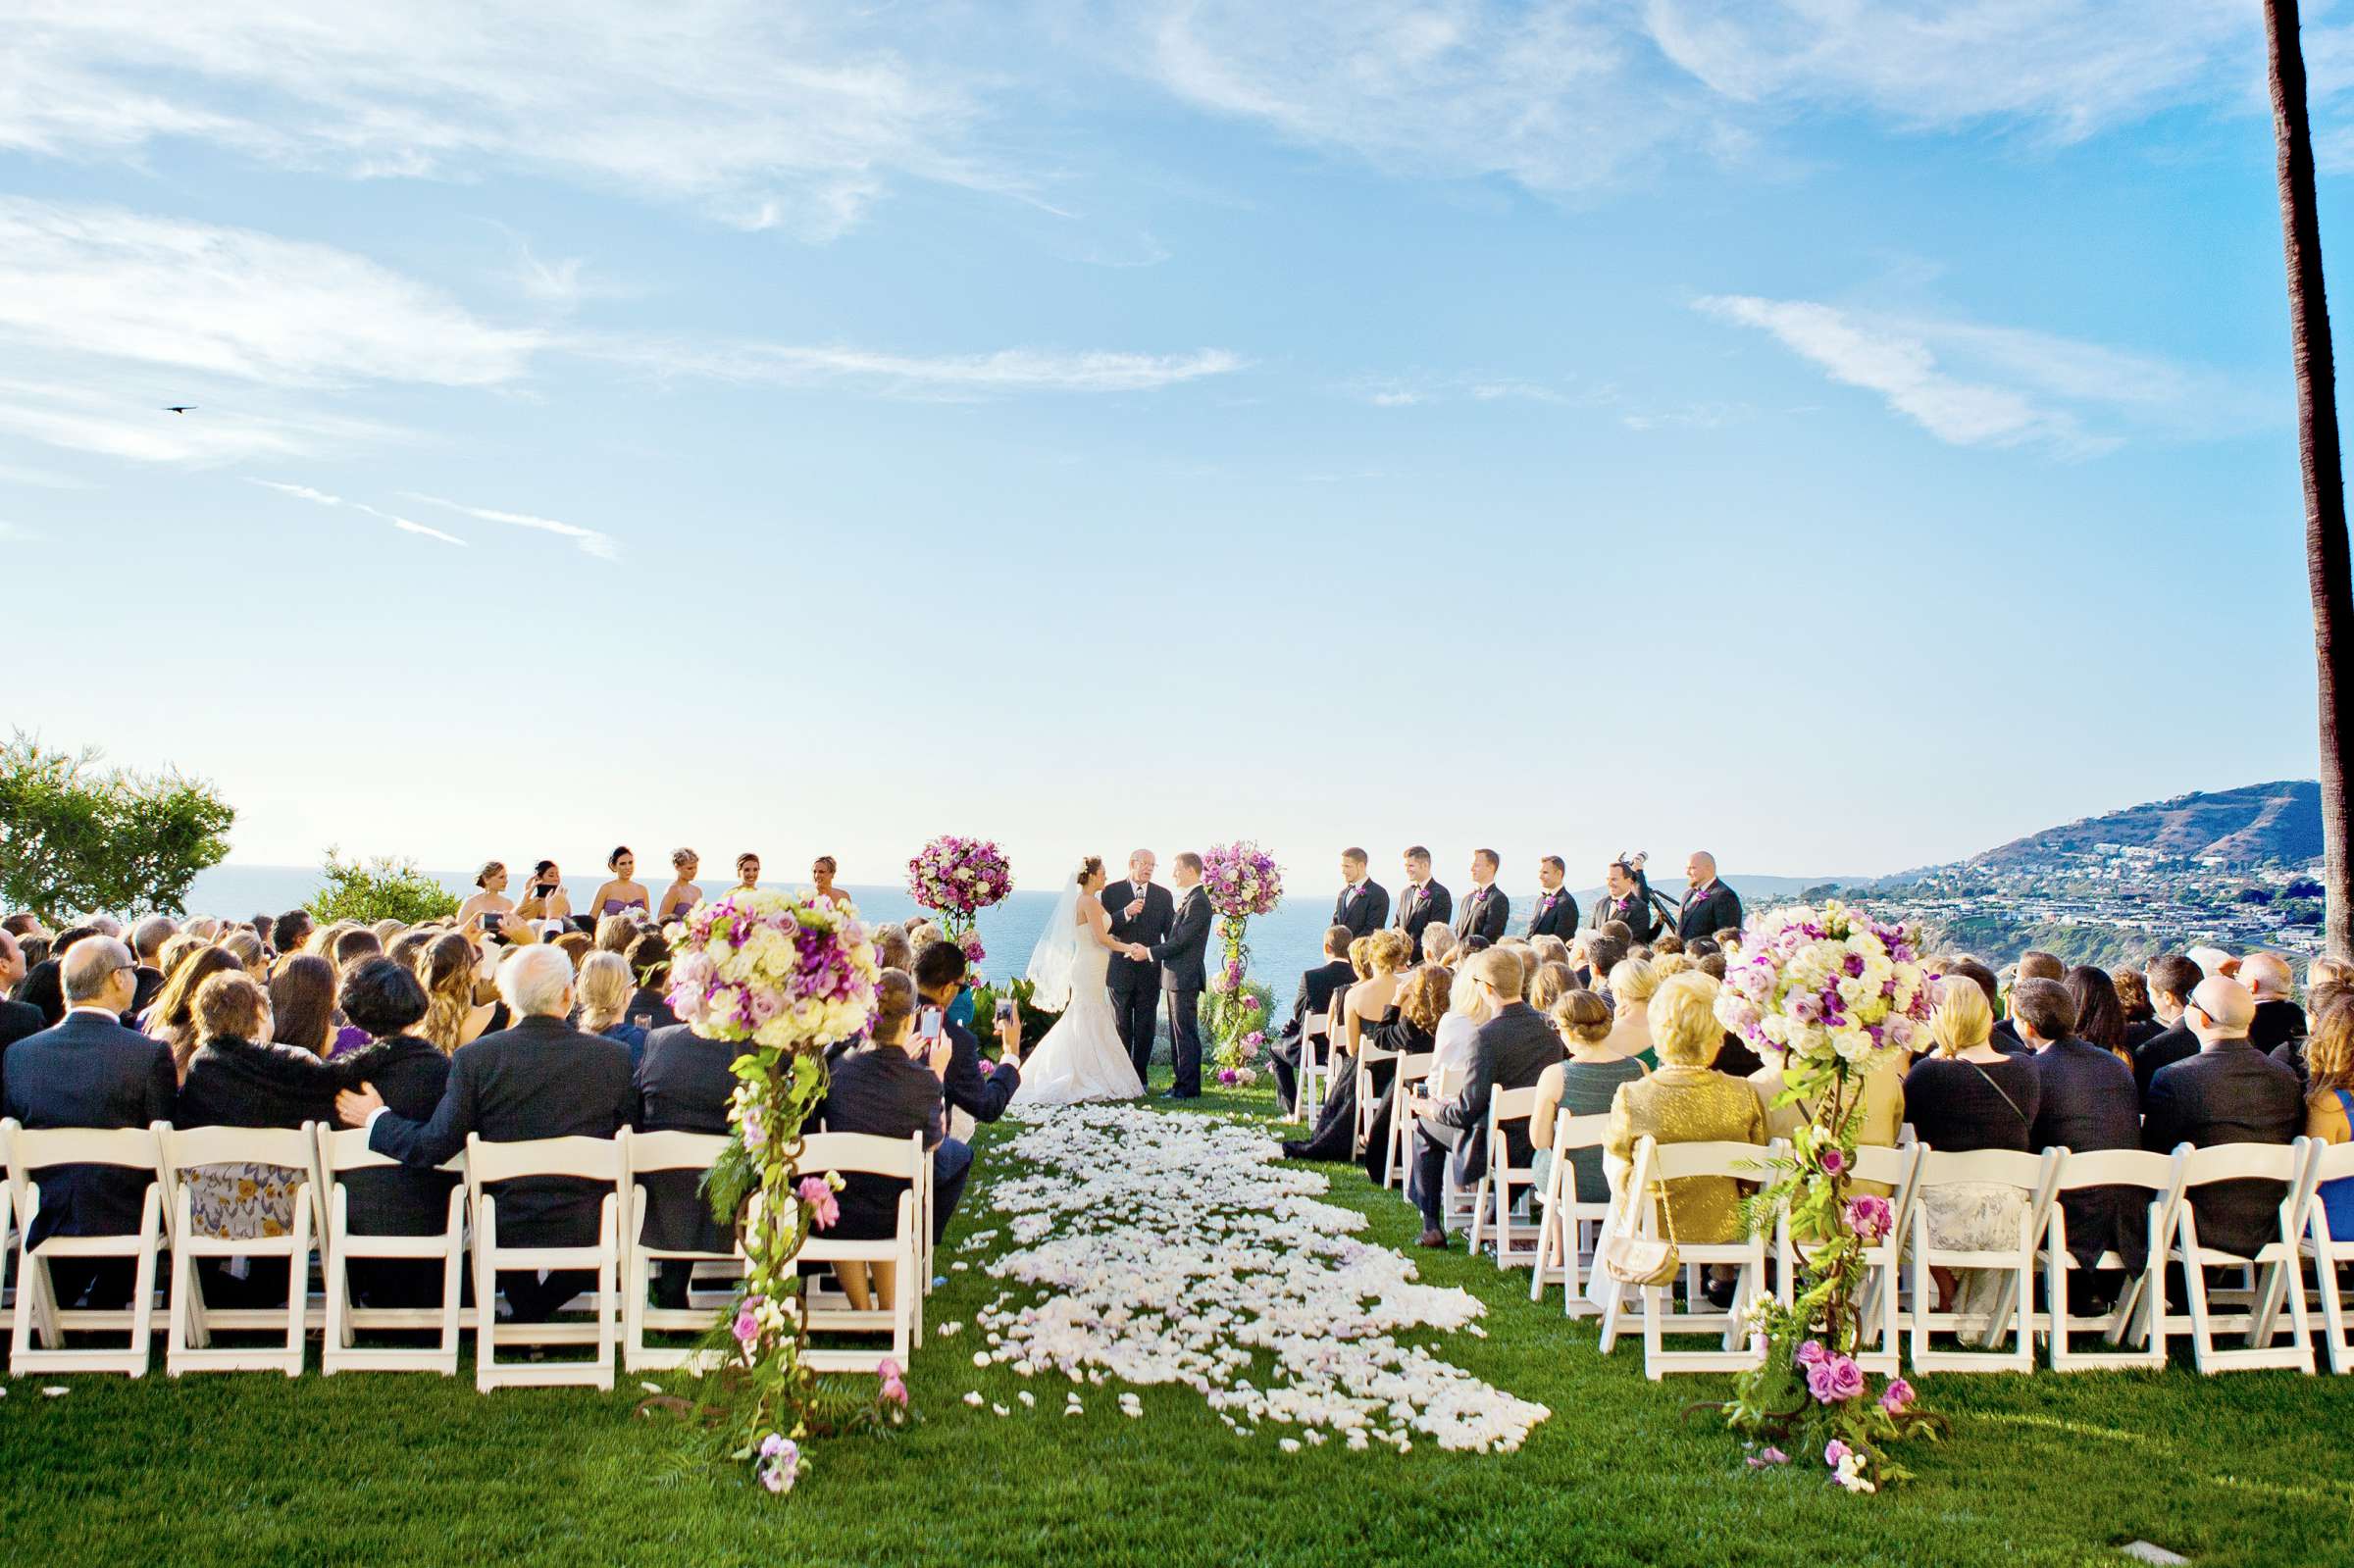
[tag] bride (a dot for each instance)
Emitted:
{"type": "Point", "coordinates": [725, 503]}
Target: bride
{"type": "Point", "coordinates": [1081, 1057]}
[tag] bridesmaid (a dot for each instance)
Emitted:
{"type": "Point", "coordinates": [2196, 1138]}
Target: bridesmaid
{"type": "Point", "coordinates": [682, 894]}
{"type": "Point", "coordinates": [822, 874]}
{"type": "Point", "coordinates": [489, 899]}
{"type": "Point", "coordinates": [623, 893]}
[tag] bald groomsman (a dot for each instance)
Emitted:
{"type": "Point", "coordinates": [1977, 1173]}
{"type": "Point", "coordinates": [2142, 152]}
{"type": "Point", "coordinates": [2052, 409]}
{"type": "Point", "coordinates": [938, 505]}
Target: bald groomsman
{"type": "Point", "coordinates": [1709, 906]}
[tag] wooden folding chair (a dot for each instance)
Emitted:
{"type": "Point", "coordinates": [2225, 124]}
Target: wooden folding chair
{"type": "Point", "coordinates": [1878, 1319]}
{"type": "Point", "coordinates": [906, 1159]}
{"type": "Point", "coordinates": [1641, 1214]}
{"type": "Point", "coordinates": [2161, 1175]}
{"type": "Point", "coordinates": [38, 1312]}
{"type": "Point", "coordinates": [652, 1152]}
{"type": "Point", "coordinates": [341, 1153]}
{"type": "Point", "coordinates": [2274, 1271]}
{"type": "Point", "coordinates": [187, 1339]}
{"type": "Point", "coordinates": [590, 1159]}
{"type": "Point", "coordinates": [2031, 1174]}
{"type": "Point", "coordinates": [1563, 1248]}
{"type": "Point", "coordinates": [1492, 1197]}
{"type": "Point", "coordinates": [2332, 1162]}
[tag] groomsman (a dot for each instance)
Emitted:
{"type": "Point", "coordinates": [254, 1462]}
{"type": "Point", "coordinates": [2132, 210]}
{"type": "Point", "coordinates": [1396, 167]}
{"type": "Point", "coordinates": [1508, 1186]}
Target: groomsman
{"type": "Point", "coordinates": [1423, 900]}
{"type": "Point", "coordinates": [1185, 975]}
{"type": "Point", "coordinates": [1486, 911]}
{"type": "Point", "coordinates": [1556, 905]}
{"type": "Point", "coordinates": [1141, 911]}
{"type": "Point", "coordinates": [1365, 904]}
{"type": "Point", "coordinates": [1625, 896]}
{"type": "Point", "coordinates": [1709, 906]}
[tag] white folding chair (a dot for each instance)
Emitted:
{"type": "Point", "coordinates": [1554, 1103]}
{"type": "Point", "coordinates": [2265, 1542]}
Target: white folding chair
{"type": "Point", "coordinates": [1397, 1154]}
{"type": "Point", "coordinates": [31, 1150]}
{"type": "Point", "coordinates": [1563, 1250]}
{"type": "Point", "coordinates": [2161, 1176]}
{"type": "Point", "coordinates": [2031, 1174]}
{"type": "Point", "coordinates": [188, 1336]}
{"type": "Point", "coordinates": [906, 1159]}
{"type": "Point", "coordinates": [340, 1153]}
{"type": "Point", "coordinates": [1368, 1056]}
{"type": "Point", "coordinates": [2332, 1162]}
{"type": "Point", "coordinates": [590, 1159]}
{"type": "Point", "coordinates": [2274, 1271]}
{"type": "Point", "coordinates": [1877, 1317]}
{"type": "Point", "coordinates": [652, 1152]}
{"type": "Point", "coordinates": [1640, 1214]}
{"type": "Point", "coordinates": [1315, 1031]}
{"type": "Point", "coordinates": [1492, 1197]}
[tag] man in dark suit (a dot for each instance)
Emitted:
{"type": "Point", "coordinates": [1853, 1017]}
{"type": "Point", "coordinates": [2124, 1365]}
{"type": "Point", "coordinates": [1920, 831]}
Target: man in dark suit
{"type": "Point", "coordinates": [2088, 1102]}
{"type": "Point", "coordinates": [1626, 896]}
{"type": "Point", "coordinates": [1486, 911]}
{"type": "Point", "coordinates": [2170, 979]}
{"type": "Point", "coordinates": [1709, 906]}
{"type": "Point", "coordinates": [2230, 1092]}
{"type": "Point", "coordinates": [1141, 911]}
{"type": "Point", "coordinates": [684, 1084]}
{"type": "Point", "coordinates": [1363, 905]}
{"type": "Point", "coordinates": [17, 1020]}
{"type": "Point", "coordinates": [1513, 1047]}
{"type": "Point", "coordinates": [2033, 964]}
{"type": "Point", "coordinates": [89, 1071]}
{"type": "Point", "coordinates": [2279, 1018]}
{"type": "Point", "coordinates": [146, 940]}
{"type": "Point", "coordinates": [540, 1077]}
{"type": "Point", "coordinates": [1317, 988]}
{"type": "Point", "coordinates": [1422, 899]}
{"type": "Point", "coordinates": [969, 1084]}
{"type": "Point", "coordinates": [1555, 914]}
{"type": "Point", "coordinates": [1184, 975]}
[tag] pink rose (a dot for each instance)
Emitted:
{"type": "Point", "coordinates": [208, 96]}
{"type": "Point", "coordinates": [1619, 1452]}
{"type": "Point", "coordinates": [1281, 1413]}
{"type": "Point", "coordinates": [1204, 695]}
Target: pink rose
{"type": "Point", "coordinates": [1768, 1456]}
{"type": "Point", "coordinates": [1869, 1216]}
{"type": "Point", "coordinates": [1834, 1379]}
{"type": "Point", "coordinates": [1832, 1158]}
{"type": "Point", "coordinates": [818, 1193]}
{"type": "Point", "coordinates": [1835, 1451]}
{"type": "Point", "coordinates": [1896, 1397]}
{"type": "Point", "coordinates": [1810, 1353]}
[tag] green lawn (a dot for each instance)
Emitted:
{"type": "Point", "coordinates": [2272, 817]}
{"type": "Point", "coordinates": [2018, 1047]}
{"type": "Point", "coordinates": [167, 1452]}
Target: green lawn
{"type": "Point", "coordinates": [2253, 1468]}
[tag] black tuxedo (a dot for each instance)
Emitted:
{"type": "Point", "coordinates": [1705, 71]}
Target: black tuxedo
{"type": "Point", "coordinates": [683, 1085]}
{"type": "Point", "coordinates": [1634, 908]}
{"type": "Point", "coordinates": [1366, 913]}
{"type": "Point", "coordinates": [1184, 975]}
{"type": "Point", "coordinates": [89, 1071]}
{"type": "Point", "coordinates": [2088, 1102]}
{"type": "Point", "coordinates": [17, 1020]}
{"type": "Point", "coordinates": [1707, 914]}
{"type": "Point", "coordinates": [1317, 988]}
{"type": "Point", "coordinates": [2227, 1093]}
{"type": "Point", "coordinates": [2162, 1051]}
{"type": "Point", "coordinates": [1418, 911]}
{"type": "Point", "coordinates": [540, 1078]}
{"type": "Point", "coordinates": [1484, 917]}
{"type": "Point", "coordinates": [1135, 983]}
{"type": "Point", "coordinates": [1555, 914]}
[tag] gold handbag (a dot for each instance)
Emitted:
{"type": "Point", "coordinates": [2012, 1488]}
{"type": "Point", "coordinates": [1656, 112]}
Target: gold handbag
{"type": "Point", "coordinates": [1643, 1259]}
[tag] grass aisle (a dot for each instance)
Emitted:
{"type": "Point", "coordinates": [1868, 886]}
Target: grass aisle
{"type": "Point", "coordinates": [2251, 1469]}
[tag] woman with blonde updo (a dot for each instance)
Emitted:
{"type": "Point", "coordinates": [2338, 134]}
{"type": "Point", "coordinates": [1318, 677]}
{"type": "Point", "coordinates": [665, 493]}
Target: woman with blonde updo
{"type": "Point", "coordinates": [886, 1088]}
{"type": "Point", "coordinates": [1685, 1103]}
{"type": "Point", "coordinates": [1366, 1005]}
{"type": "Point", "coordinates": [1632, 983]}
{"type": "Point", "coordinates": [683, 895]}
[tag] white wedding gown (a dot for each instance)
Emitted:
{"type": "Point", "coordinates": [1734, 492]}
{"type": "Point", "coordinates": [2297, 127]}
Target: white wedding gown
{"type": "Point", "coordinates": [1081, 1057]}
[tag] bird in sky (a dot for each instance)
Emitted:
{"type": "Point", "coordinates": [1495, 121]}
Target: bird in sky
{"type": "Point", "coordinates": [179, 408]}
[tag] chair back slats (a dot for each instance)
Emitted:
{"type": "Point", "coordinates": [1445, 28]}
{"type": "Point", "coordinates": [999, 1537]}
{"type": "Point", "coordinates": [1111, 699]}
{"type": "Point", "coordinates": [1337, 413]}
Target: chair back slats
{"type": "Point", "coordinates": [1513, 1104]}
{"type": "Point", "coordinates": [675, 1152]}
{"type": "Point", "coordinates": [2116, 1167]}
{"type": "Point", "coordinates": [286, 1147]}
{"type": "Point", "coordinates": [1570, 1131]}
{"type": "Point", "coordinates": [590, 1159]}
{"type": "Point", "coordinates": [36, 1148]}
{"type": "Point", "coordinates": [1745, 1162]}
{"type": "Point", "coordinates": [2002, 1167]}
{"type": "Point", "coordinates": [2241, 1162]}
{"type": "Point", "coordinates": [862, 1152]}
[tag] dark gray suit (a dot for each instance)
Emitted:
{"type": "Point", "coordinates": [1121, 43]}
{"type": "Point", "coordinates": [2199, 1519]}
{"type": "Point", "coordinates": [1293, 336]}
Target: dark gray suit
{"type": "Point", "coordinates": [2230, 1093]}
{"type": "Point", "coordinates": [2086, 1102]}
{"type": "Point", "coordinates": [1511, 1051]}
{"type": "Point", "coordinates": [1135, 983]}
{"type": "Point", "coordinates": [1709, 913]}
{"type": "Point", "coordinates": [1184, 975]}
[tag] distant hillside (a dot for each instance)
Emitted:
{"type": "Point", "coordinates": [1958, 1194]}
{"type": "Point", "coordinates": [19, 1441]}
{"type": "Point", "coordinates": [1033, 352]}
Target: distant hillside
{"type": "Point", "coordinates": [2246, 827]}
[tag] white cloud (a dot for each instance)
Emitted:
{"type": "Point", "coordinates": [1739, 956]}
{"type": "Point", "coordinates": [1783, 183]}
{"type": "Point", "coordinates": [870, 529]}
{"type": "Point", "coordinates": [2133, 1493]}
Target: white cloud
{"type": "Point", "coordinates": [79, 406]}
{"type": "Point", "coordinates": [322, 498]}
{"type": "Point", "coordinates": [763, 113]}
{"type": "Point", "coordinates": [589, 541]}
{"type": "Point", "coordinates": [1005, 371]}
{"type": "Point", "coordinates": [1973, 386]}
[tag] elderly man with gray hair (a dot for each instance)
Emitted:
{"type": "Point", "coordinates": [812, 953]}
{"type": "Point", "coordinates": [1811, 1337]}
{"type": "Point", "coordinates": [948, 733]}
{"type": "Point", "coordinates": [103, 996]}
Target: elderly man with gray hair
{"type": "Point", "coordinates": [540, 1077]}
{"type": "Point", "coordinates": [2279, 1018]}
{"type": "Point", "coordinates": [147, 938]}
{"type": "Point", "coordinates": [89, 1071]}
{"type": "Point", "coordinates": [2230, 1093]}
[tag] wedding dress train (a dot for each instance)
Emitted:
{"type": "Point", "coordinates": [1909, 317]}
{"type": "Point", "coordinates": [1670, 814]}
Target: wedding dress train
{"type": "Point", "coordinates": [1081, 1057]}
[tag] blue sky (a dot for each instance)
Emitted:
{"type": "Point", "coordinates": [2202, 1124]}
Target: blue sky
{"type": "Point", "coordinates": [1846, 436]}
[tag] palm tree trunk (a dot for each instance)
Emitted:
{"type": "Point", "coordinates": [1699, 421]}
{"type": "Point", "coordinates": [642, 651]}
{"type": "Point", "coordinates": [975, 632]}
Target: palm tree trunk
{"type": "Point", "coordinates": [2326, 552]}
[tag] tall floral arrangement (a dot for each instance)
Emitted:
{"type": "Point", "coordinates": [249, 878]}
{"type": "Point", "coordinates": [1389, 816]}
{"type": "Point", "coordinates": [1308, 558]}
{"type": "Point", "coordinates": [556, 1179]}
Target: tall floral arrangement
{"type": "Point", "coordinates": [1240, 881]}
{"type": "Point", "coordinates": [1834, 995]}
{"type": "Point", "coordinates": [781, 976]}
{"type": "Point", "coordinates": [956, 879]}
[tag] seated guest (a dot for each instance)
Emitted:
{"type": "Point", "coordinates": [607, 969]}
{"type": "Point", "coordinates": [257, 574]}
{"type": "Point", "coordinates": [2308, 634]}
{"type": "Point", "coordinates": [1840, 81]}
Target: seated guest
{"type": "Point", "coordinates": [1880, 1123]}
{"type": "Point", "coordinates": [146, 940]}
{"type": "Point", "coordinates": [1408, 1027]}
{"type": "Point", "coordinates": [967, 1084]}
{"type": "Point", "coordinates": [892, 950]}
{"type": "Point", "coordinates": [251, 953]}
{"type": "Point", "coordinates": [43, 989]}
{"type": "Point", "coordinates": [410, 1072]}
{"type": "Point", "coordinates": [1468, 1009]}
{"type": "Point", "coordinates": [1604, 953]}
{"type": "Point", "coordinates": [302, 1003]}
{"type": "Point", "coordinates": [1439, 946]}
{"type": "Point", "coordinates": [1969, 1094]}
{"type": "Point", "coordinates": [538, 1079]}
{"type": "Point", "coordinates": [447, 972]}
{"type": "Point", "coordinates": [2279, 1018]}
{"type": "Point", "coordinates": [2088, 1102]}
{"type": "Point", "coordinates": [1686, 1101]}
{"type": "Point", "coordinates": [89, 1071]}
{"type": "Point", "coordinates": [1366, 1003]}
{"type": "Point", "coordinates": [649, 964]}
{"type": "Point", "coordinates": [684, 1085]}
{"type": "Point", "coordinates": [604, 1003]}
{"type": "Point", "coordinates": [2032, 965]}
{"type": "Point", "coordinates": [615, 933]}
{"type": "Point", "coordinates": [1548, 983]}
{"type": "Point", "coordinates": [683, 895]}
{"type": "Point", "coordinates": [1510, 1051]}
{"type": "Point", "coordinates": [352, 945]}
{"type": "Point", "coordinates": [1551, 950]}
{"type": "Point", "coordinates": [239, 1077]}
{"type": "Point", "coordinates": [17, 1020]}
{"type": "Point", "coordinates": [2099, 1012]}
{"type": "Point", "coordinates": [2133, 999]}
{"type": "Point", "coordinates": [2230, 1093]}
{"type": "Point", "coordinates": [289, 930]}
{"type": "Point", "coordinates": [2330, 1104]}
{"type": "Point", "coordinates": [1632, 984]}
{"type": "Point", "coordinates": [2171, 977]}
{"type": "Point", "coordinates": [576, 946]}
{"type": "Point", "coordinates": [880, 1088]}
{"type": "Point", "coordinates": [1586, 1083]}
{"type": "Point", "coordinates": [1314, 1000]}
{"type": "Point", "coordinates": [173, 1018]}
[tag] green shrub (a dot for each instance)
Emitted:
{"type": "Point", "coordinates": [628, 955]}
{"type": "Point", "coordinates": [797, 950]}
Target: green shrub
{"type": "Point", "coordinates": [387, 887]}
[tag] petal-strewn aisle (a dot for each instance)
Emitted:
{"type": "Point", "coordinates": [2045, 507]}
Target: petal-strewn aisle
{"type": "Point", "coordinates": [1177, 1248]}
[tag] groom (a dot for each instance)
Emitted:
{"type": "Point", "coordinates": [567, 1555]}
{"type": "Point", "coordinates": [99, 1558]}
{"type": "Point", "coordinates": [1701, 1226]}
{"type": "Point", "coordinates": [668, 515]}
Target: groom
{"type": "Point", "coordinates": [1140, 912]}
{"type": "Point", "coordinates": [1183, 976]}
